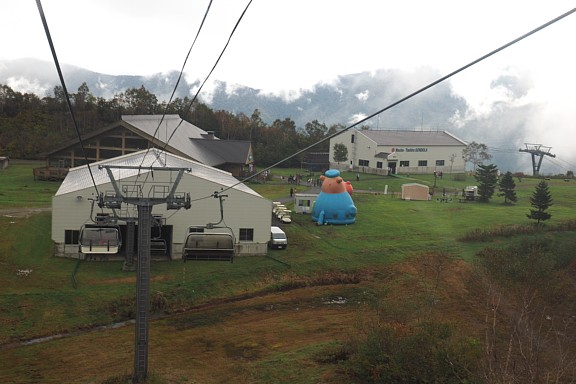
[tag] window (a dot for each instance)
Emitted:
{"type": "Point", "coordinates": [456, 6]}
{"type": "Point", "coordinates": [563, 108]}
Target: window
{"type": "Point", "coordinates": [439, 163]}
{"type": "Point", "coordinates": [71, 236]}
{"type": "Point", "coordinates": [246, 234]}
{"type": "Point", "coordinates": [422, 163]}
{"type": "Point", "coordinates": [303, 203]}
{"type": "Point", "coordinates": [379, 164]}
{"type": "Point", "coordinates": [404, 163]}
{"type": "Point", "coordinates": [352, 139]}
{"type": "Point", "coordinates": [363, 163]}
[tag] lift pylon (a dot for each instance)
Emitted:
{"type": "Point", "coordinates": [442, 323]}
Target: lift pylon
{"type": "Point", "coordinates": [538, 151]}
{"type": "Point", "coordinates": [132, 194]}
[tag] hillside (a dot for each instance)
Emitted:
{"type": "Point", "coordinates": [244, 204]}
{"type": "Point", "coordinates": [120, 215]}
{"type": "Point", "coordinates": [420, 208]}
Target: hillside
{"type": "Point", "coordinates": [400, 292]}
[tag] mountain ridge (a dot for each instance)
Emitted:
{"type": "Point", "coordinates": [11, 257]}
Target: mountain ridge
{"type": "Point", "coordinates": [348, 99]}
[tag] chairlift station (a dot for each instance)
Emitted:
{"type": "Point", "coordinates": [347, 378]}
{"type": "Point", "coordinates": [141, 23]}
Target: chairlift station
{"type": "Point", "coordinates": [79, 212]}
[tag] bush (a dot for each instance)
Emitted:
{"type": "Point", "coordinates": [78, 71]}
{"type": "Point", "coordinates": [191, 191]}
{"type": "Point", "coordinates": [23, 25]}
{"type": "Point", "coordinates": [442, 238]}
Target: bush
{"type": "Point", "coordinates": [425, 353]}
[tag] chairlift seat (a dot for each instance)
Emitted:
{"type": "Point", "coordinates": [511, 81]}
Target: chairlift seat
{"type": "Point", "coordinates": [100, 240]}
{"type": "Point", "coordinates": [158, 247]}
{"type": "Point", "coordinates": [209, 246]}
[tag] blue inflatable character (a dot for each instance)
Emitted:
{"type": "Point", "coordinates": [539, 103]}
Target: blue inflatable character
{"type": "Point", "coordinates": [334, 204]}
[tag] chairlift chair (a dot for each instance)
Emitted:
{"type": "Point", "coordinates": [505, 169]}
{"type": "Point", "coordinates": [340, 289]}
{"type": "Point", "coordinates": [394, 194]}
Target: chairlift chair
{"type": "Point", "coordinates": [158, 246]}
{"type": "Point", "coordinates": [209, 246]}
{"type": "Point", "coordinates": [100, 239]}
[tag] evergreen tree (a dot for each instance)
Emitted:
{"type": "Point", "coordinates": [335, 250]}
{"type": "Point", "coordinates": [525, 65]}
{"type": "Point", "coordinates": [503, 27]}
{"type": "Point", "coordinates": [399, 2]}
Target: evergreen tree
{"type": "Point", "coordinates": [507, 188]}
{"type": "Point", "coordinates": [541, 200]}
{"type": "Point", "coordinates": [487, 178]}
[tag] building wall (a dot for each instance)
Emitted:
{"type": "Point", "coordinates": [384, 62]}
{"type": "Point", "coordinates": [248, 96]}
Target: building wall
{"type": "Point", "coordinates": [114, 143]}
{"type": "Point", "coordinates": [241, 210]}
{"type": "Point", "coordinates": [408, 158]}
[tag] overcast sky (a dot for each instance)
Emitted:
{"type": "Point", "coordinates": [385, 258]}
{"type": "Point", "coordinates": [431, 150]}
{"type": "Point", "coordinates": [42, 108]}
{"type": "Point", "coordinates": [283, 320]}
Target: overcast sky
{"type": "Point", "coordinates": [287, 45]}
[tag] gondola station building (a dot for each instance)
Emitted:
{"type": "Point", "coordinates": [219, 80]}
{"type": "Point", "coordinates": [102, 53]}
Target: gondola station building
{"type": "Point", "coordinates": [386, 152]}
{"type": "Point", "coordinates": [244, 212]}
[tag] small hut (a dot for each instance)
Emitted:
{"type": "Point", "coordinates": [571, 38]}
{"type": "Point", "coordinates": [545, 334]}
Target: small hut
{"type": "Point", "coordinates": [303, 202]}
{"type": "Point", "coordinates": [415, 191]}
{"type": "Point", "coordinates": [4, 162]}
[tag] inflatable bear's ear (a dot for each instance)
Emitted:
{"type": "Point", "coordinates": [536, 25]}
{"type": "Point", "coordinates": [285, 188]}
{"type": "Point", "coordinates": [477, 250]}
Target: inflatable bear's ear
{"type": "Point", "coordinates": [322, 177]}
{"type": "Point", "coordinates": [339, 179]}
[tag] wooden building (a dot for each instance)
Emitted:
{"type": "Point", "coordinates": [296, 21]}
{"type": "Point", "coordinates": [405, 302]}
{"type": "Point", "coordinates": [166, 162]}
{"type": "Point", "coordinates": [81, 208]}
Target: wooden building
{"type": "Point", "coordinates": [134, 133]}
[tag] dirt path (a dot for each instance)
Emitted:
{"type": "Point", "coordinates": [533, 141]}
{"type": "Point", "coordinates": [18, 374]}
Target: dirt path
{"type": "Point", "coordinates": [22, 212]}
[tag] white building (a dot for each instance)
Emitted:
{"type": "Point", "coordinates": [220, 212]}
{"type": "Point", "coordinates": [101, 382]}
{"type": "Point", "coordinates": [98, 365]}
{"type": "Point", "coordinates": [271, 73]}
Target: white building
{"type": "Point", "coordinates": [245, 212]}
{"type": "Point", "coordinates": [383, 151]}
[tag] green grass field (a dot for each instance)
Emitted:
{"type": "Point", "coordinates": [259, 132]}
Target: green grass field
{"type": "Point", "coordinates": [19, 189]}
{"type": "Point", "coordinates": [38, 297]}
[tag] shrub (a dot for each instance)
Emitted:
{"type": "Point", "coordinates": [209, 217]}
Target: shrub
{"type": "Point", "coordinates": [425, 353]}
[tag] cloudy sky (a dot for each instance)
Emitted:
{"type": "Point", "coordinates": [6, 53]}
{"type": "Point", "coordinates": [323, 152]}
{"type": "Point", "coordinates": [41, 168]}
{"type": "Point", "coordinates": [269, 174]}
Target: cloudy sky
{"type": "Point", "coordinates": [283, 46]}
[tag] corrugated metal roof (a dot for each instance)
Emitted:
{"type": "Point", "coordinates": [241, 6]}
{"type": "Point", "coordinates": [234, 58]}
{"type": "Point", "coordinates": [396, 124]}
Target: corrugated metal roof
{"type": "Point", "coordinates": [227, 151]}
{"type": "Point", "coordinates": [79, 178]}
{"type": "Point", "coordinates": [174, 130]}
{"type": "Point", "coordinates": [412, 138]}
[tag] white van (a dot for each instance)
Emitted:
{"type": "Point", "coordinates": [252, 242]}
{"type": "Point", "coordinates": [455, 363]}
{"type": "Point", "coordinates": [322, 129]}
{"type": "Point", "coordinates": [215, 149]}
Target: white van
{"type": "Point", "coordinates": [278, 238]}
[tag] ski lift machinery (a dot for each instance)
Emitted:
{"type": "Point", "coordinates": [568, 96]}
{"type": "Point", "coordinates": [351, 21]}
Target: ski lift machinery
{"type": "Point", "coordinates": [218, 244]}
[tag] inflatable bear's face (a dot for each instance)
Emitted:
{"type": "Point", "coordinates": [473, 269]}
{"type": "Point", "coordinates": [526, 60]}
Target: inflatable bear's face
{"type": "Point", "coordinates": [333, 184]}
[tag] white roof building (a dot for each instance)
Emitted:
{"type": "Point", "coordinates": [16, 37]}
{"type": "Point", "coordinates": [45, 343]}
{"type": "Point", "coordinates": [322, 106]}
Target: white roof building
{"type": "Point", "coordinates": [245, 212]}
{"type": "Point", "coordinates": [387, 151]}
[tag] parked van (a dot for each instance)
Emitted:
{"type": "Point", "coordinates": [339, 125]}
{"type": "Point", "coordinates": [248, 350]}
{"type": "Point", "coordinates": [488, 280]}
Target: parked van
{"type": "Point", "coordinates": [278, 238]}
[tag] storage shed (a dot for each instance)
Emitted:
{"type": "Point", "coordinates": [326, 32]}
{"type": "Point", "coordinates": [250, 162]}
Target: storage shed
{"type": "Point", "coordinates": [4, 162]}
{"type": "Point", "coordinates": [415, 191]}
{"type": "Point", "coordinates": [245, 212]}
{"type": "Point", "coordinates": [303, 202]}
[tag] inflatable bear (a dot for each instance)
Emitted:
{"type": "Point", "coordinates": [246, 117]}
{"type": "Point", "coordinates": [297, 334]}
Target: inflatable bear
{"type": "Point", "coordinates": [334, 204]}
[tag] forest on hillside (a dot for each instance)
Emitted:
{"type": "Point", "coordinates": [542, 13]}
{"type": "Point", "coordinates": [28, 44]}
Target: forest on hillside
{"type": "Point", "coordinates": [31, 126]}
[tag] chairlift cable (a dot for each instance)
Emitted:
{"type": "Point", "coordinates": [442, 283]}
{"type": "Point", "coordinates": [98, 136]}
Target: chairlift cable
{"type": "Point", "coordinates": [211, 71]}
{"type": "Point", "coordinates": [63, 83]}
{"type": "Point", "coordinates": [181, 73]}
{"type": "Point", "coordinates": [205, 80]}
{"type": "Point", "coordinates": [411, 95]}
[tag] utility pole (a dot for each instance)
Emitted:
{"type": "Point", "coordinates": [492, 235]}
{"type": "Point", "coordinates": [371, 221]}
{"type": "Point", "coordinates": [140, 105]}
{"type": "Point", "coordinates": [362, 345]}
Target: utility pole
{"type": "Point", "coordinates": [133, 194]}
{"type": "Point", "coordinates": [537, 151]}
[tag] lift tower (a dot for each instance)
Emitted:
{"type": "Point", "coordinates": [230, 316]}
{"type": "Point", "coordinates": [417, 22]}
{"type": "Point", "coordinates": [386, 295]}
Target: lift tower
{"type": "Point", "coordinates": [537, 150]}
{"type": "Point", "coordinates": [134, 194]}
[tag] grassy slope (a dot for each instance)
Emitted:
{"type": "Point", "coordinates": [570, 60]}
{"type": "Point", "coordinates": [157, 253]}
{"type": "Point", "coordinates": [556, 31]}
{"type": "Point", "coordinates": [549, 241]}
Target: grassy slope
{"type": "Point", "coordinates": [388, 230]}
{"type": "Point", "coordinates": [19, 189]}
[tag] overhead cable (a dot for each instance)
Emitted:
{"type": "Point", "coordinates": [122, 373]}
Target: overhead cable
{"type": "Point", "coordinates": [210, 73]}
{"type": "Point", "coordinates": [430, 85]}
{"type": "Point", "coordinates": [57, 63]}
{"type": "Point", "coordinates": [182, 70]}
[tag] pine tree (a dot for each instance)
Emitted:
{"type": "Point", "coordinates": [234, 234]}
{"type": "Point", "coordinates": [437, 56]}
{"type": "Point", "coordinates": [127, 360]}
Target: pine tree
{"type": "Point", "coordinates": [507, 188]}
{"type": "Point", "coordinates": [487, 178]}
{"type": "Point", "coordinates": [541, 200]}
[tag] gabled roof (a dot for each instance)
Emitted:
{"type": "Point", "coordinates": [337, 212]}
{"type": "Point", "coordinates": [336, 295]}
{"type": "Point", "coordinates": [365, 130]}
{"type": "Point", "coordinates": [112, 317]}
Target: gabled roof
{"type": "Point", "coordinates": [224, 151]}
{"type": "Point", "coordinates": [79, 178]}
{"type": "Point", "coordinates": [412, 138]}
{"type": "Point", "coordinates": [176, 135]}
{"type": "Point", "coordinates": [172, 130]}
